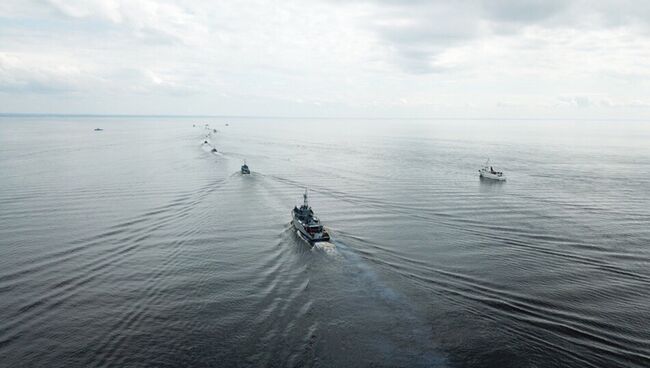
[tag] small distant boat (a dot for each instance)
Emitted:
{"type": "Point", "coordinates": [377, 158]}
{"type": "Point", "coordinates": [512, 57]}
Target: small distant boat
{"type": "Point", "coordinates": [307, 224]}
{"type": "Point", "coordinates": [227, 124]}
{"type": "Point", "coordinates": [245, 169]}
{"type": "Point", "coordinates": [488, 172]}
{"type": "Point", "coordinates": [205, 142]}
{"type": "Point", "coordinates": [99, 129]}
{"type": "Point", "coordinates": [214, 150]}
{"type": "Point", "coordinates": [214, 130]}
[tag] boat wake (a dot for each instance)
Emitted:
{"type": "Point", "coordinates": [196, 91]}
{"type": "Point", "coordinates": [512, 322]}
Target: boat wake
{"type": "Point", "coordinates": [326, 247]}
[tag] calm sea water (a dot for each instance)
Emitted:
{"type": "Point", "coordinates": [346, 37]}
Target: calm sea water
{"type": "Point", "coordinates": [136, 246]}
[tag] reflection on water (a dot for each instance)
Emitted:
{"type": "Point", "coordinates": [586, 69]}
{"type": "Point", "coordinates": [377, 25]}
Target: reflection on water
{"type": "Point", "coordinates": [490, 185]}
{"type": "Point", "coordinates": [138, 246]}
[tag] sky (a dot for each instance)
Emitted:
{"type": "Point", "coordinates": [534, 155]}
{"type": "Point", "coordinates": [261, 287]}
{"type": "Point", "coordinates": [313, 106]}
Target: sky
{"type": "Point", "coordinates": [327, 58]}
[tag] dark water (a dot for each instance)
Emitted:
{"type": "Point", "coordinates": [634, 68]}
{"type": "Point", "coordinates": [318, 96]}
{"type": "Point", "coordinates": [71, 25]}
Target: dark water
{"type": "Point", "coordinates": [136, 246]}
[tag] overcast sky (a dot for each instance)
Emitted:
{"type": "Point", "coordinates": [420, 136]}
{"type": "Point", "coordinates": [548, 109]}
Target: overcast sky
{"type": "Point", "coordinates": [497, 58]}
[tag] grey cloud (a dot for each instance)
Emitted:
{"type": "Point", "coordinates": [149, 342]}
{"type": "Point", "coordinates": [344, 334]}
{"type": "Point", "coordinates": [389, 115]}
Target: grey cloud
{"type": "Point", "coordinates": [22, 75]}
{"type": "Point", "coordinates": [419, 31]}
{"type": "Point", "coordinates": [162, 82]}
{"type": "Point", "coordinates": [582, 101]}
{"type": "Point", "coordinates": [366, 53]}
{"type": "Point", "coordinates": [26, 74]}
{"type": "Point", "coordinates": [149, 20]}
{"type": "Point", "coordinates": [522, 11]}
{"type": "Point", "coordinates": [36, 85]}
{"type": "Point", "coordinates": [577, 101]}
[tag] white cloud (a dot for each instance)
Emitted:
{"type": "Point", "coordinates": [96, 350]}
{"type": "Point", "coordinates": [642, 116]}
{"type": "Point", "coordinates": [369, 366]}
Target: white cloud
{"type": "Point", "coordinates": [34, 73]}
{"type": "Point", "coordinates": [156, 20]}
{"type": "Point", "coordinates": [378, 56]}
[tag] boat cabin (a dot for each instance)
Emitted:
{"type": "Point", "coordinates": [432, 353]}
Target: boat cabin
{"type": "Point", "coordinates": [313, 229]}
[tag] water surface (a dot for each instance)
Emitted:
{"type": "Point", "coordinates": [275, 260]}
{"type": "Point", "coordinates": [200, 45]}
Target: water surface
{"type": "Point", "coordinates": [137, 246]}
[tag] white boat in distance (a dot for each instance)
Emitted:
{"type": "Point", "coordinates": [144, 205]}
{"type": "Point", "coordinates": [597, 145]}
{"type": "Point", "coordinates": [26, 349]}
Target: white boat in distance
{"type": "Point", "coordinates": [489, 173]}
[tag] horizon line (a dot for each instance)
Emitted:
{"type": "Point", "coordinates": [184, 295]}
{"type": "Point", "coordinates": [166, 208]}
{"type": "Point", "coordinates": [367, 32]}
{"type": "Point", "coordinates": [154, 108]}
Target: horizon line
{"type": "Point", "coordinates": [184, 116]}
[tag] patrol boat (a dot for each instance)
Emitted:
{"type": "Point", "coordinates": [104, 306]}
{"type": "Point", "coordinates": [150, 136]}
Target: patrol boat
{"type": "Point", "coordinates": [245, 169]}
{"type": "Point", "coordinates": [307, 224]}
{"type": "Point", "coordinates": [489, 173]}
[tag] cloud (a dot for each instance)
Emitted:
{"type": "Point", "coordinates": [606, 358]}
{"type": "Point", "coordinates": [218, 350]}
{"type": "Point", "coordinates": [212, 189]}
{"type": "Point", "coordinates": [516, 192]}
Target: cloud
{"type": "Point", "coordinates": [34, 74]}
{"type": "Point", "coordinates": [586, 101]}
{"type": "Point", "coordinates": [421, 32]}
{"type": "Point", "coordinates": [522, 11]}
{"type": "Point", "coordinates": [51, 74]}
{"type": "Point", "coordinates": [369, 55]}
{"type": "Point", "coordinates": [153, 81]}
{"type": "Point", "coordinates": [149, 19]}
{"type": "Point", "coordinates": [577, 101]}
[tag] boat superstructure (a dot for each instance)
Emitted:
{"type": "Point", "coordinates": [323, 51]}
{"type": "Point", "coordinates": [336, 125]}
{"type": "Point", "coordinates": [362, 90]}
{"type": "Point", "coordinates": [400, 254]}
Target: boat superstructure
{"type": "Point", "coordinates": [489, 173]}
{"type": "Point", "coordinates": [307, 224]}
{"type": "Point", "coordinates": [245, 169]}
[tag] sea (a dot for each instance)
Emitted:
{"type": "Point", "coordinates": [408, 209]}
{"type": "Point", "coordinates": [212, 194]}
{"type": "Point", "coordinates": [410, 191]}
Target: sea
{"type": "Point", "coordinates": [137, 246]}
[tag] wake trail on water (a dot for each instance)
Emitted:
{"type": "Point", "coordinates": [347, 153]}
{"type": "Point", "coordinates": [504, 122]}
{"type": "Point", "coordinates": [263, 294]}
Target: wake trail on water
{"type": "Point", "coordinates": [470, 291]}
{"type": "Point", "coordinates": [529, 243]}
{"type": "Point", "coordinates": [347, 258]}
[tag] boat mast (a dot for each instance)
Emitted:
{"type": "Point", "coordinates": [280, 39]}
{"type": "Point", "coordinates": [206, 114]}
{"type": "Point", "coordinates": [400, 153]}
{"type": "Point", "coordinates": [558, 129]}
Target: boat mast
{"type": "Point", "coordinates": [304, 196]}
